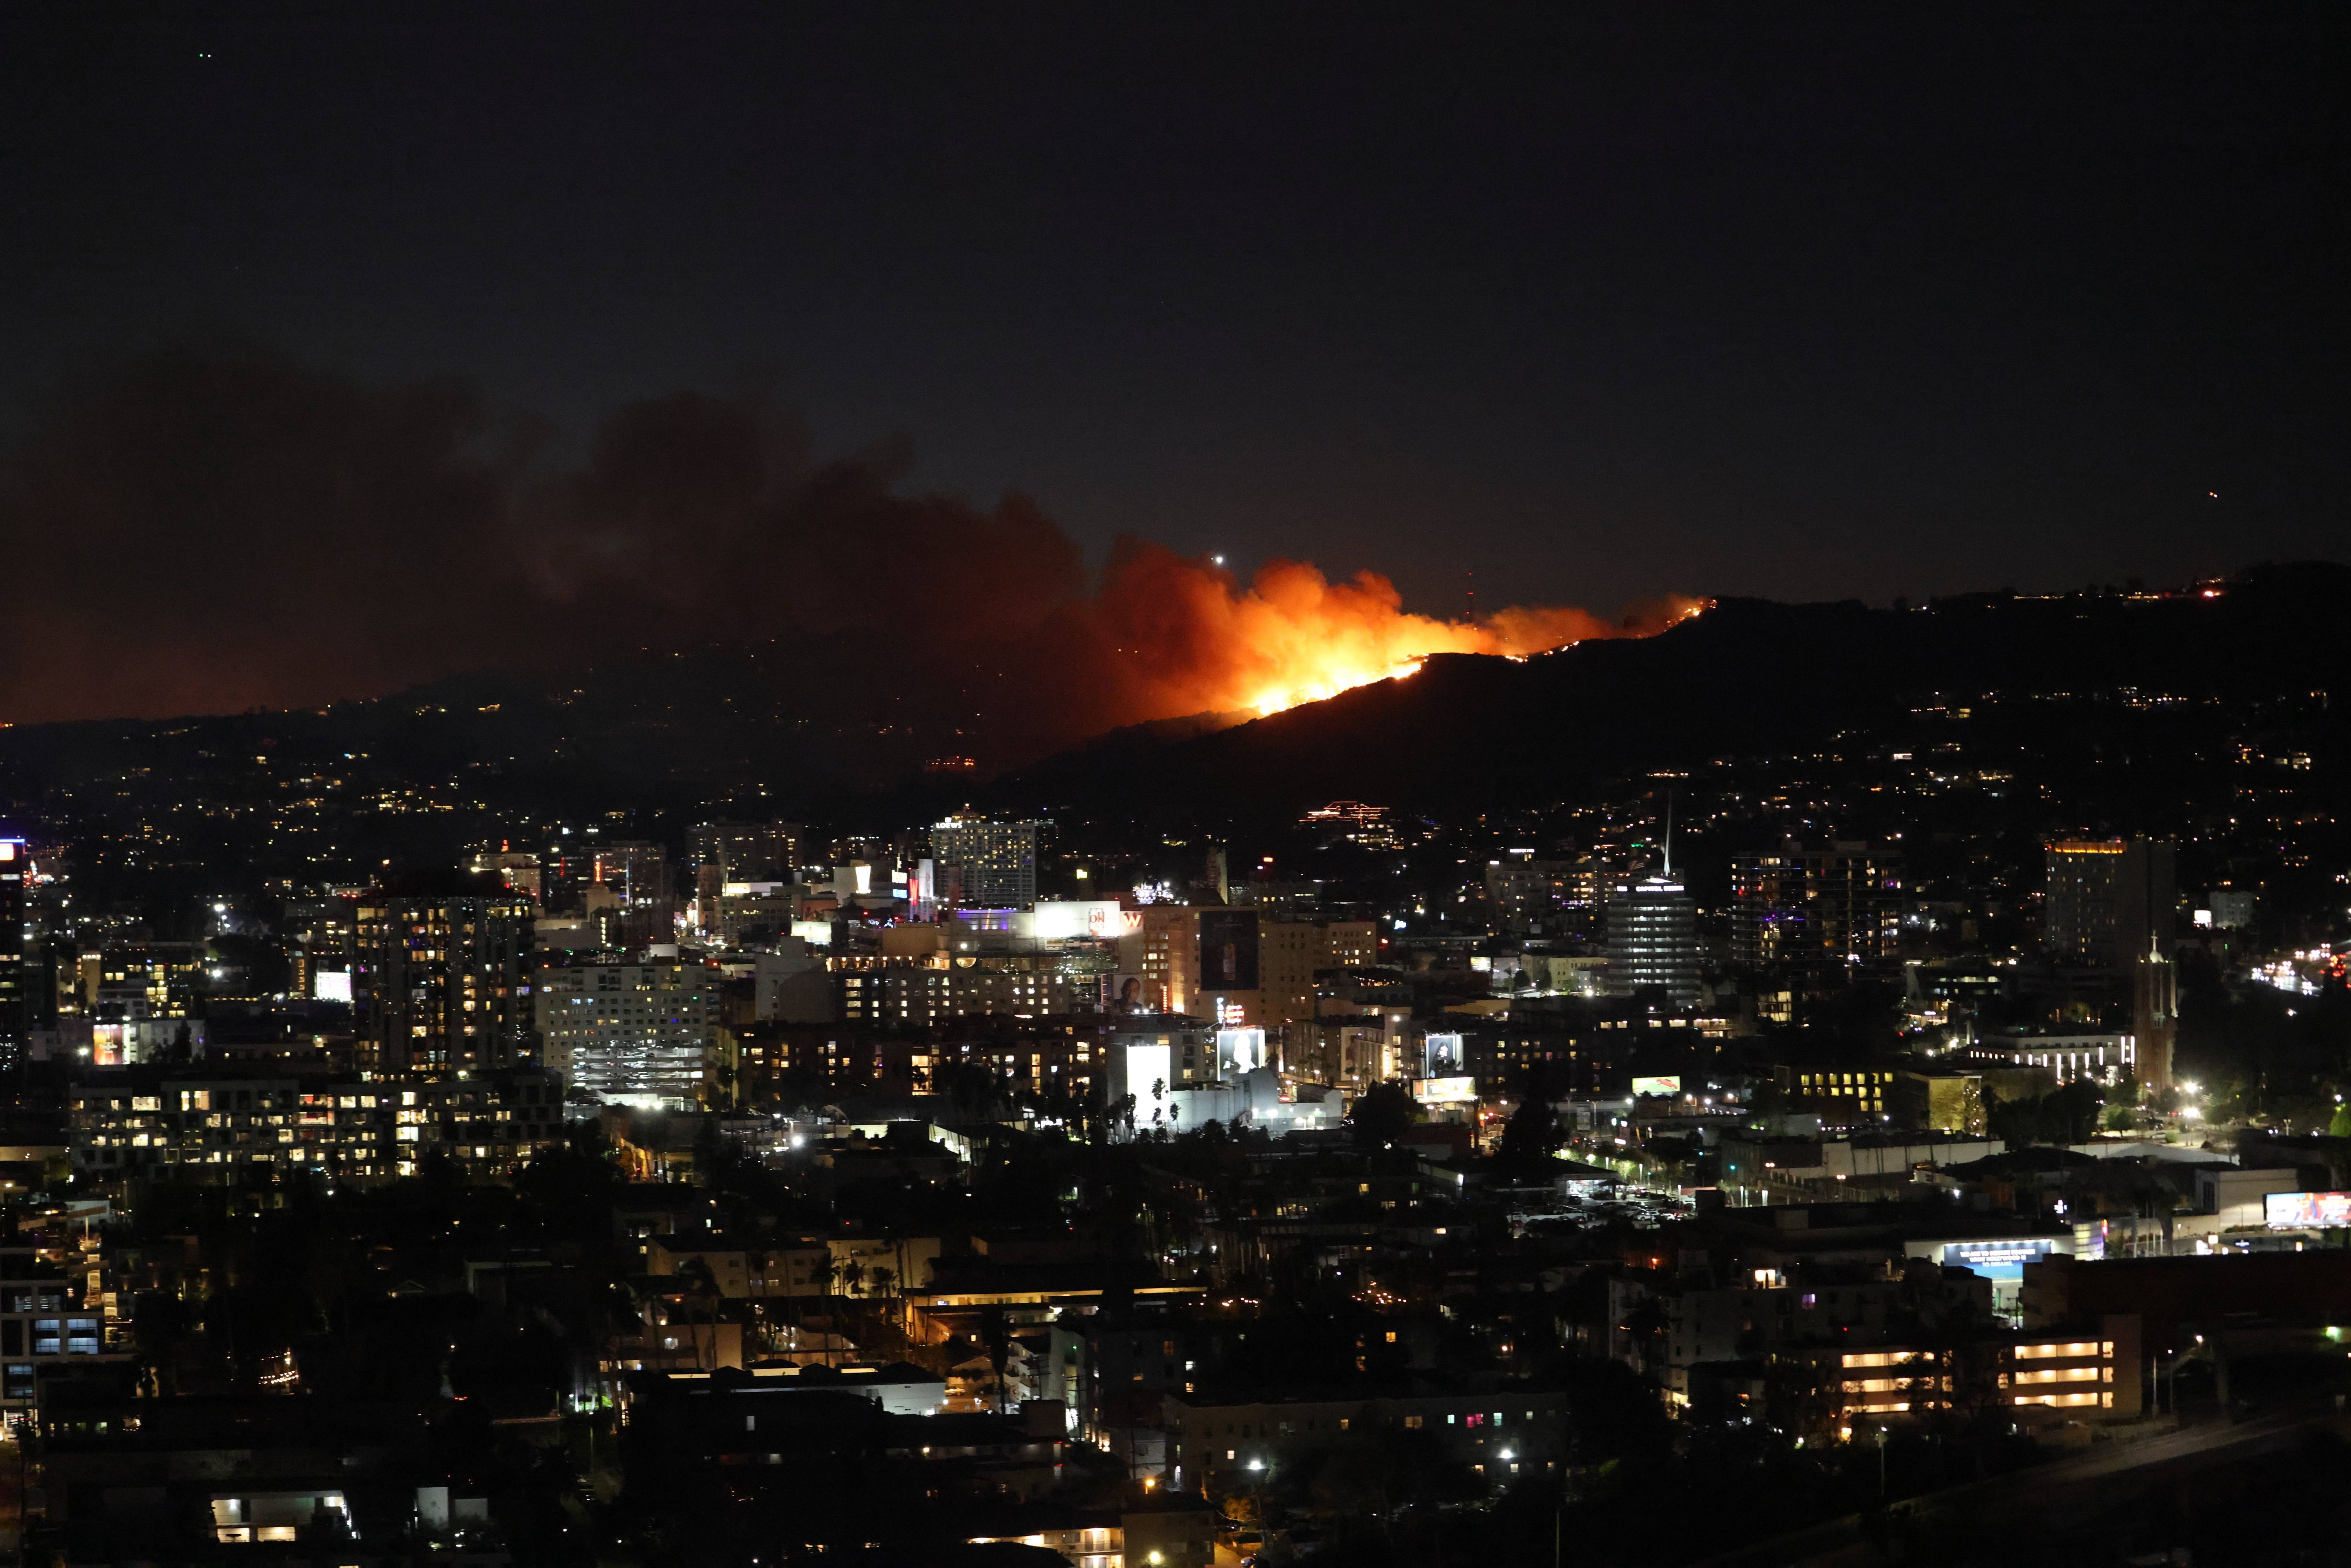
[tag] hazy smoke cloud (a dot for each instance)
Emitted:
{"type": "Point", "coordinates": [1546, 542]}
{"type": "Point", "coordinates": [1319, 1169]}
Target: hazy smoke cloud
{"type": "Point", "coordinates": [217, 533]}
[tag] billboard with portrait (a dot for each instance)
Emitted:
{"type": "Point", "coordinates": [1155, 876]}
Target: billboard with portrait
{"type": "Point", "coordinates": [1229, 950]}
{"type": "Point", "coordinates": [1240, 1052]}
{"type": "Point", "coordinates": [1444, 1055]}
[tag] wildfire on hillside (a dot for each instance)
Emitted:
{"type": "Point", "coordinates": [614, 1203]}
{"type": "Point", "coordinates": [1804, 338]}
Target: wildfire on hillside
{"type": "Point", "coordinates": [1199, 639]}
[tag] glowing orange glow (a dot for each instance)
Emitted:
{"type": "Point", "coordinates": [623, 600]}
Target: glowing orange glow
{"type": "Point", "coordinates": [1193, 638]}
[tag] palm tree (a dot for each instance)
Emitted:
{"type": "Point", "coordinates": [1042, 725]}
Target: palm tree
{"type": "Point", "coordinates": [701, 1287]}
{"type": "Point", "coordinates": [826, 1272]}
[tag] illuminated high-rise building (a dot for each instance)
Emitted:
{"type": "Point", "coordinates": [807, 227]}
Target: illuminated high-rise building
{"type": "Point", "coordinates": [748, 852]}
{"type": "Point", "coordinates": [1292, 954]}
{"type": "Point", "coordinates": [2108, 900]}
{"type": "Point", "coordinates": [444, 981]}
{"type": "Point", "coordinates": [14, 941]}
{"type": "Point", "coordinates": [986, 865]}
{"type": "Point", "coordinates": [1838, 903]}
{"type": "Point", "coordinates": [1852, 900]}
{"type": "Point", "coordinates": [1653, 940]}
{"type": "Point", "coordinates": [1768, 924]}
{"type": "Point", "coordinates": [631, 1034]}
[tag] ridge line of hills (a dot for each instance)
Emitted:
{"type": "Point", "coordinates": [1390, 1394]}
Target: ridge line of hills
{"type": "Point", "coordinates": [647, 743]}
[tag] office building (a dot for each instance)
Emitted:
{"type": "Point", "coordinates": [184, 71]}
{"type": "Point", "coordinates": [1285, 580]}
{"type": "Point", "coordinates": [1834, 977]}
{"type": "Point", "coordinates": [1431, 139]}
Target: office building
{"type": "Point", "coordinates": [1652, 941]}
{"type": "Point", "coordinates": [1291, 954]}
{"type": "Point", "coordinates": [748, 852]}
{"type": "Point", "coordinates": [637, 870]}
{"type": "Point", "coordinates": [980, 864]}
{"type": "Point", "coordinates": [2232, 908]}
{"type": "Point", "coordinates": [2106, 899]}
{"type": "Point", "coordinates": [518, 871]}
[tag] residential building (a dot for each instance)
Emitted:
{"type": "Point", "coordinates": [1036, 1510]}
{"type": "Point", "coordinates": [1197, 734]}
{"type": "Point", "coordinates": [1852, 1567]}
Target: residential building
{"type": "Point", "coordinates": [1853, 902]}
{"type": "Point", "coordinates": [1504, 1435]}
{"type": "Point", "coordinates": [18, 1003]}
{"type": "Point", "coordinates": [1837, 903]}
{"type": "Point", "coordinates": [443, 981]}
{"type": "Point", "coordinates": [53, 1320]}
{"type": "Point", "coordinates": [224, 1128]}
{"type": "Point", "coordinates": [632, 1034]}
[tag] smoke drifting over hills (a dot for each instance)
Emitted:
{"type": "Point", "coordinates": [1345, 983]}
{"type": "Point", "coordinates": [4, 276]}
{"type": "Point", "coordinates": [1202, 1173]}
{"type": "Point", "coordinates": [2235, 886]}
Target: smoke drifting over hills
{"type": "Point", "coordinates": [212, 533]}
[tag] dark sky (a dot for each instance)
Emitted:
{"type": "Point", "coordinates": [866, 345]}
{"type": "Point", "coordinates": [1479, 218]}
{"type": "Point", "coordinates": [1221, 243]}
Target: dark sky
{"type": "Point", "coordinates": [1803, 301]}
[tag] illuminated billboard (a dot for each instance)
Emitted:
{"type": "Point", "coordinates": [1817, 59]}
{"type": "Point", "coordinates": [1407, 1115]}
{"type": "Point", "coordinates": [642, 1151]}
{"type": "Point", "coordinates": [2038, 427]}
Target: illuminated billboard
{"type": "Point", "coordinates": [332, 985]}
{"type": "Point", "coordinates": [2306, 1210]}
{"type": "Point", "coordinates": [2000, 1258]}
{"type": "Point", "coordinates": [1228, 949]}
{"type": "Point", "coordinates": [1096, 919]}
{"type": "Point", "coordinates": [1444, 1091]}
{"type": "Point", "coordinates": [1444, 1054]}
{"type": "Point", "coordinates": [1240, 1051]}
{"type": "Point", "coordinates": [1150, 1074]}
{"type": "Point", "coordinates": [1653, 1087]}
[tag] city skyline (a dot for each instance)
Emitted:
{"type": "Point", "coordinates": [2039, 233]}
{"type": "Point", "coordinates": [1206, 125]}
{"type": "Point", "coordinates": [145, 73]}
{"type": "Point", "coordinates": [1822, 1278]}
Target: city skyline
{"type": "Point", "coordinates": [893, 786]}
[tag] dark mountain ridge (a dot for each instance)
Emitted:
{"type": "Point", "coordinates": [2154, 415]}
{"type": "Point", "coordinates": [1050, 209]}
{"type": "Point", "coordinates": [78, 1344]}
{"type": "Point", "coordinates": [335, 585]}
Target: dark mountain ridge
{"type": "Point", "coordinates": [643, 746]}
{"type": "Point", "coordinates": [1470, 732]}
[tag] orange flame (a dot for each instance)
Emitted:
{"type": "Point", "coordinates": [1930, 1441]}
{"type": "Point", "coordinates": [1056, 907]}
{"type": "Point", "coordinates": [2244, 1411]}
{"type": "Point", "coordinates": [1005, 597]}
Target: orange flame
{"type": "Point", "coordinates": [1191, 638]}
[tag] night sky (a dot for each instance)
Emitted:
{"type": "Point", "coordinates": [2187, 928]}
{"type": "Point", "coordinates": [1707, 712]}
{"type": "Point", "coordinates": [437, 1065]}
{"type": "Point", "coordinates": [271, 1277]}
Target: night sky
{"type": "Point", "coordinates": [1839, 301]}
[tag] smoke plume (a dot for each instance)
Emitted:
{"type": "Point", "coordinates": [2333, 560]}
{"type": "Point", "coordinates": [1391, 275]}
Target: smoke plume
{"type": "Point", "coordinates": [221, 532]}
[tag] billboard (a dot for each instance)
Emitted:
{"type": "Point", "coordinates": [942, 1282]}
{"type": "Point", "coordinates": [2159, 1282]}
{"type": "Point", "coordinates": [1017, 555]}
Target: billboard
{"type": "Point", "coordinates": [1097, 919]}
{"type": "Point", "coordinates": [2000, 1258]}
{"type": "Point", "coordinates": [332, 985]}
{"type": "Point", "coordinates": [1150, 1074]}
{"type": "Point", "coordinates": [1650, 1088]}
{"type": "Point", "coordinates": [1444, 1091]}
{"type": "Point", "coordinates": [1240, 1051]}
{"type": "Point", "coordinates": [1228, 949]}
{"type": "Point", "coordinates": [1129, 993]}
{"type": "Point", "coordinates": [1444, 1055]}
{"type": "Point", "coordinates": [2306, 1210]}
